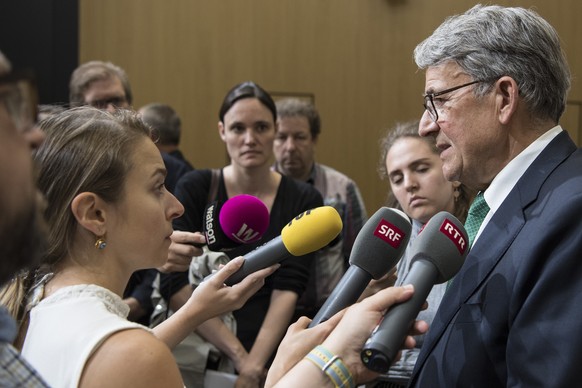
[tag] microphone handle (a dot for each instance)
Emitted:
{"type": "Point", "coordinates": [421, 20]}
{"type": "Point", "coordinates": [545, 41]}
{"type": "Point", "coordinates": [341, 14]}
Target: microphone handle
{"type": "Point", "coordinates": [346, 292]}
{"type": "Point", "coordinates": [261, 257]}
{"type": "Point", "coordinates": [386, 340]}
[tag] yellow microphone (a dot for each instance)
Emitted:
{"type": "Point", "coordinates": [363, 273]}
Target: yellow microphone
{"type": "Point", "coordinates": [306, 233]}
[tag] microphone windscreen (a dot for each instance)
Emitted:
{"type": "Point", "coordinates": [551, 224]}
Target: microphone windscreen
{"type": "Point", "coordinates": [386, 232]}
{"type": "Point", "coordinates": [244, 218]}
{"type": "Point", "coordinates": [311, 230]}
{"type": "Point", "coordinates": [443, 241]}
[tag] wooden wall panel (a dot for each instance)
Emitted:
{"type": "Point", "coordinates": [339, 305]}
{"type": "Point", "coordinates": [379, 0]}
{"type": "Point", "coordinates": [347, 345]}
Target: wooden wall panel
{"type": "Point", "coordinates": [355, 57]}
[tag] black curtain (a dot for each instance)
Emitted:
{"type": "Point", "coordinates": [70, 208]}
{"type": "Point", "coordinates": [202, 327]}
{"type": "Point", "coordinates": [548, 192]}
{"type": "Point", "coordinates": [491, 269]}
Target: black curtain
{"type": "Point", "coordinates": [42, 35]}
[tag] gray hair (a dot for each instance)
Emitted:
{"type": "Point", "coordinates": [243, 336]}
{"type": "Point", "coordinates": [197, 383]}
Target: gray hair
{"type": "Point", "coordinates": [89, 72]}
{"type": "Point", "coordinates": [488, 42]}
{"type": "Point", "coordinates": [294, 107]}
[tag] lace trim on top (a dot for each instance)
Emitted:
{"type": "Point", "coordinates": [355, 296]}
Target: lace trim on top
{"type": "Point", "coordinates": [113, 303]}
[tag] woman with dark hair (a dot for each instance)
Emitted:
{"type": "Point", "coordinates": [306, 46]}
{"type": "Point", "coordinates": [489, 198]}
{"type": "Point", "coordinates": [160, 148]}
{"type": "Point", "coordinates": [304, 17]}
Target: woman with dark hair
{"type": "Point", "coordinates": [247, 127]}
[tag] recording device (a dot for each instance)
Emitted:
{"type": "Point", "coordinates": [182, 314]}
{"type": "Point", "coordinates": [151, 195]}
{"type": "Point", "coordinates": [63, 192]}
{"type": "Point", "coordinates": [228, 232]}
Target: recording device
{"type": "Point", "coordinates": [242, 219]}
{"type": "Point", "coordinates": [377, 248]}
{"type": "Point", "coordinates": [306, 233]}
{"type": "Point", "coordinates": [437, 254]}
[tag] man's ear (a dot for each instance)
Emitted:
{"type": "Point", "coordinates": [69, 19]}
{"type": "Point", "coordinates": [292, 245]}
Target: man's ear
{"type": "Point", "coordinates": [90, 212]}
{"type": "Point", "coordinates": [507, 98]}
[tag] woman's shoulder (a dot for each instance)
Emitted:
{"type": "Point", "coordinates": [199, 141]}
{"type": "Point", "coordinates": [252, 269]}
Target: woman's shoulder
{"type": "Point", "coordinates": [194, 182]}
{"type": "Point", "coordinates": [132, 357]}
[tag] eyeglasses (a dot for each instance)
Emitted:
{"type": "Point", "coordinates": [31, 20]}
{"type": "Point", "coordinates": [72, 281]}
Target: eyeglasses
{"type": "Point", "coordinates": [429, 99]}
{"type": "Point", "coordinates": [18, 93]}
{"type": "Point", "coordinates": [103, 104]}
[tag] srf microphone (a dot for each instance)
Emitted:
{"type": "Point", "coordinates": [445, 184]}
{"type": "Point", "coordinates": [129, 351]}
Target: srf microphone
{"type": "Point", "coordinates": [437, 254]}
{"type": "Point", "coordinates": [306, 233]}
{"type": "Point", "coordinates": [377, 248]}
{"type": "Point", "coordinates": [242, 219]}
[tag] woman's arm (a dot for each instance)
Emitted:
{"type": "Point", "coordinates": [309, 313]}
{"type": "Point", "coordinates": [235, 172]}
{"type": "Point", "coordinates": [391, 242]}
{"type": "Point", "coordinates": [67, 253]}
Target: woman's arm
{"type": "Point", "coordinates": [218, 334]}
{"type": "Point", "coordinates": [276, 322]}
{"type": "Point", "coordinates": [210, 299]}
{"type": "Point", "coordinates": [347, 339]}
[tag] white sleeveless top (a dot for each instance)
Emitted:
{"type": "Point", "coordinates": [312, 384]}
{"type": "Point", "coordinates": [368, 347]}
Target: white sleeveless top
{"type": "Point", "coordinates": [68, 326]}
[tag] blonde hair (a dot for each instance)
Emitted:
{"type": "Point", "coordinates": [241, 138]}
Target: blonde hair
{"type": "Point", "coordinates": [85, 150]}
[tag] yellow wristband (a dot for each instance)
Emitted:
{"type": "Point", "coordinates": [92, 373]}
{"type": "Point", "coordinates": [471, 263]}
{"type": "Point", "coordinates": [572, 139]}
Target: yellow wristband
{"type": "Point", "coordinates": [332, 366]}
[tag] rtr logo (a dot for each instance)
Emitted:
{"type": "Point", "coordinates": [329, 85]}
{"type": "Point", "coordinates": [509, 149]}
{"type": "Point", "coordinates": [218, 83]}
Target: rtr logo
{"type": "Point", "coordinates": [454, 234]}
{"type": "Point", "coordinates": [389, 233]}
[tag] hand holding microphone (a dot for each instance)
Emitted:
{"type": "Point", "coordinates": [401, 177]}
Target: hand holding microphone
{"type": "Point", "coordinates": [437, 254]}
{"type": "Point", "coordinates": [306, 233]}
{"type": "Point", "coordinates": [243, 219]}
{"type": "Point", "coordinates": [377, 248]}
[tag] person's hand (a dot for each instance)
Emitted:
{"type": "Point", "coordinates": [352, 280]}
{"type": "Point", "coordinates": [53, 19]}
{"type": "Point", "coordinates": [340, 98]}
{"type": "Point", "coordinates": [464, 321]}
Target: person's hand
{"type": "Point", "coordinates": [250, 377]}
{"type": "Point", "coordinates": [357, 324]}
{"type": "Point", "coordinates": [298, 341]}
{"type": "Point", "coordinates": [219, 298]}
{"type": "Point", "coordinates": [181, 251]}
{"type": "Point", "coordinates": [374, 286]}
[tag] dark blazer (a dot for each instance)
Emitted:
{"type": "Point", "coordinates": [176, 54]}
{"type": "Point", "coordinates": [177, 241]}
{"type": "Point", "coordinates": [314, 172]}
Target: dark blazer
{"type": "Point", "coordinates": [513, 315]}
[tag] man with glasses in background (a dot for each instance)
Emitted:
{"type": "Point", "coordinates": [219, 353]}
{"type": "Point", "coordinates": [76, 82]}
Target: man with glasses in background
{"type": "Point", "coordinates": [21, 221]}
{"type": "Point", "coordinates": [496, 86]}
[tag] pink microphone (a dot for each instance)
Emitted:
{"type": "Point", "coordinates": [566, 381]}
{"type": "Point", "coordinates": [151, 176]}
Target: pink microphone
{"type": "Point", "coordinates": [243, 219]}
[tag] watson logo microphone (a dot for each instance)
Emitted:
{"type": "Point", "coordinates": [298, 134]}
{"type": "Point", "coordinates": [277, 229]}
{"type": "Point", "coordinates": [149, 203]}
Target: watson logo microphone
{"type": "Point", "coordinates": [243, 219]}
{"type": "Point", "coordinates": [377, 248]}
{"type": "Point", "coordinates": [306, 233]}
{"type": "Point", "coordinates": [436, 254]}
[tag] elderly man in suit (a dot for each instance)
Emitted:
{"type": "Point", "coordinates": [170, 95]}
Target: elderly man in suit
{"type": "Point", "coordinates": [496, 87]}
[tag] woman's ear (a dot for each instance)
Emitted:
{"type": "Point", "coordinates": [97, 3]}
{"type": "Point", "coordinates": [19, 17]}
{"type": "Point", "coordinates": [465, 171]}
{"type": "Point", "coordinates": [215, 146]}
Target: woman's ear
{"type": "Point", "coordinates": [221, 130]}
{"type": "Point", "coordinates": [89, 211]}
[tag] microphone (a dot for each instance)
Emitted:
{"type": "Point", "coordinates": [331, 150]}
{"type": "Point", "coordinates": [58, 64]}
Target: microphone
{"type": "Point", "coordinates": [242, 219]}
{"type": "Point", "coordinates": [437, 255]}
{"type": "Point", "coordinates": [377, 248]}
{"type": "Point", "coordinates": [306, 233]}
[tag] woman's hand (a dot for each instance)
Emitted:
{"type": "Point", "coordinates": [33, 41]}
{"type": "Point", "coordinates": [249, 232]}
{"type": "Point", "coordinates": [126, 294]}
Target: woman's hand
{"type": "Point", "coordinates": [217, 298]}
{"type": "Point", "coordinates": [298, 341]}
{"type": "Point", "coordinates": [357, 324]}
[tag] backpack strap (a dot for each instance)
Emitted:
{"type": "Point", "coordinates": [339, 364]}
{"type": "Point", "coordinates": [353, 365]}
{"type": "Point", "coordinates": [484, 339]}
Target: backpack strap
{"type": "Point", "coordinates": [214, 181]}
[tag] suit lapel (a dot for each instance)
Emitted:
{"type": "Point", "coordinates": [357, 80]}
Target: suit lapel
{"type": "Point", "coordinates": [495, 239]}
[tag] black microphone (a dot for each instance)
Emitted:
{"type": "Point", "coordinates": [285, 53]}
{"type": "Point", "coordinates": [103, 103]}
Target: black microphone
{"type": "Point", "coordinates": [437, 254]}
{"type": "Point", "coordinates": [377, 248]}
{"type": "Point", "coordinates": [306, 233]}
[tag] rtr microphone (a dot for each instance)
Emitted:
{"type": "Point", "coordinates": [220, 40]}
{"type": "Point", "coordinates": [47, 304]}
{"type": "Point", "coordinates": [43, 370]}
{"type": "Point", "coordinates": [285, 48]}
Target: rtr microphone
{"type": "Point", "coordinates": [242, 219]}
{"type": "Point", "coordinates": [306, 233]}
{"type": "Point", "coordinates": [437, 254]}
{"type": "Point", "coordinates": [377, 248]}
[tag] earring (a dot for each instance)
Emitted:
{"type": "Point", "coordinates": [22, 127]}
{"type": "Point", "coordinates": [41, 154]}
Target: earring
{"type": "Point", "coordinates": [100, 243]}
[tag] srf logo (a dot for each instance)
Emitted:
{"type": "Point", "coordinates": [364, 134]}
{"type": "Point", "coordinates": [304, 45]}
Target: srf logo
{"type": "Point", "coordinates": [389, 233]}
{"type": "Point", "coordinates": [454, 234]}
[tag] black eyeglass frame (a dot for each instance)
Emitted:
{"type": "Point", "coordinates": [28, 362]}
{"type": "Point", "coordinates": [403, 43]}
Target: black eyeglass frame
{"type": "Point", "coordinates": [429, 98]}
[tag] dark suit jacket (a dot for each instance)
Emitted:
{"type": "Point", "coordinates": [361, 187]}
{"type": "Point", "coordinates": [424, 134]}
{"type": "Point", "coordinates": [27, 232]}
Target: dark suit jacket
{"type": "Point", "coordinates": [513, 315]}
